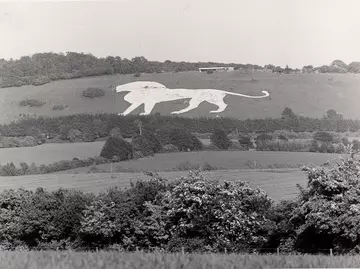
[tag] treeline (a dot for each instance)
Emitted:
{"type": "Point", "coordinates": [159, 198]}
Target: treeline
{"type": "Point", "coordinates": [41, 68]}
{"type": "Point", "coordinates": [336, 66]}
{"type": "Point", "coordinates": [86, 127]}
{"type": "Point", "coordinates": [192, 213]}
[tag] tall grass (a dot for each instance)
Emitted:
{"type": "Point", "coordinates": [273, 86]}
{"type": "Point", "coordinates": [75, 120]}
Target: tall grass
{"type": "Point", "coordinates": [113, 259]}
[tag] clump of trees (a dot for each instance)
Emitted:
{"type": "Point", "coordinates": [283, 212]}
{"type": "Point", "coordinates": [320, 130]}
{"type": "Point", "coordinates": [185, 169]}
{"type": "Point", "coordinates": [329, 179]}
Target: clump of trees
{"type": "Point", "coordinates": [42, 68]}
{"type": "Point", "coordinates": [220, 139]}
{"type": "Point", "coordinates": [117, 147]}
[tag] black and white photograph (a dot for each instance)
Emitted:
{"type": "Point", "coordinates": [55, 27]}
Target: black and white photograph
{"type": "Point", "coordinates": [179, 134]}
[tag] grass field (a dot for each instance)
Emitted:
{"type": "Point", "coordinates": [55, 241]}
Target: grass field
{"type": "Point", "coordinates": [278, 183]}
{"type": "Point", "coordinates": [115, 260]}
{"type": "Point", "coordinates": [308, 94]}
{"type": "Point", "coordinates": [49, 153]}
{"type": "Point", "coordinates": [52, 152]}
{"type": "Point", "coordinates": [223, 159]}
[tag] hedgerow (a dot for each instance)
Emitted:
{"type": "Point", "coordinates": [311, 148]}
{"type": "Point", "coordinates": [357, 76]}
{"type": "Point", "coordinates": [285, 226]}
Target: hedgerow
{"type": "Point", "coordinates": [104, 123]}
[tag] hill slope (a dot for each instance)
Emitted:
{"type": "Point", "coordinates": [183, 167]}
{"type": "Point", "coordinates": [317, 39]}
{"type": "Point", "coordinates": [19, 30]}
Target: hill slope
{"type": "Point", "coordinates": [307, 94]}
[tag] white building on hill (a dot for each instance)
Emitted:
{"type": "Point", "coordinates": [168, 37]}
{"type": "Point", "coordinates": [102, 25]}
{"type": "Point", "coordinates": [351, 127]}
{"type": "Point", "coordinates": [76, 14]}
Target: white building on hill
{"type": "Point", "coordinates": [217, 69]}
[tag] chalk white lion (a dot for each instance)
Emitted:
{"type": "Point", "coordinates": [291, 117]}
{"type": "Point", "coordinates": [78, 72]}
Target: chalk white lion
{"type": "Point", "coordinates": [150, 93]}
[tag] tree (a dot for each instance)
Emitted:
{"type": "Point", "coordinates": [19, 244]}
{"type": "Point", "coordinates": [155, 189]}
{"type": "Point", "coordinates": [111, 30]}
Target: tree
{"type": "Point", "coordinates": [138, 123]}
{"type": "Point", "coordinates": [220, 215]}
{"type": "Point", "coordinates": [180, 137]}
{"type": "Point", "coordinates": [220, 139]}
{"type": "Point", "coordinates": [117, 147]}
{"type": "Point", "coordinates": [287, 113]}
{"type": "Point", "coordinates": [116, 132]}
{"type": "Point", "coordinates": [328, 209]}
{"type": "Point", "coordinates": [333, 114]}
{"type": "Point", "coordinates": [323, 137]}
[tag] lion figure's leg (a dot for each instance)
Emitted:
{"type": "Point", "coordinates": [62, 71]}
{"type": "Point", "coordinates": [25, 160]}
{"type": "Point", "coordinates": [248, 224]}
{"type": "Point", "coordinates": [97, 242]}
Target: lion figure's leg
{"type": "Point", "coordinates": [131, 108]}
{"type": "Point", "coordinates": [148, 107]}
{"type": "Point", "coordinates": [193, 103]}
{"type": "Point", "coordinates": [220, 103]}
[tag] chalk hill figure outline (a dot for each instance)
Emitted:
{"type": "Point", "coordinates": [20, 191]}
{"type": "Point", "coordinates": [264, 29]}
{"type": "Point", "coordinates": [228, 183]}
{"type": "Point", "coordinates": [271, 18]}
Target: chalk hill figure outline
{"type": "Point", "coordinates": [150, 93]}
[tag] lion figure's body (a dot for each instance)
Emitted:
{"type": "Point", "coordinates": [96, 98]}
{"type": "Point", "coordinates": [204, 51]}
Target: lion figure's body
{"type": "Point", "coordinates": [151, 93]}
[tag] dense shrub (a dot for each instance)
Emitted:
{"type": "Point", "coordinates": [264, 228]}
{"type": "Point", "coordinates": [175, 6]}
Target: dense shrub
{"type": "Point", "coordinates": [37, 81]}
{"type": "Point", "coordinates": [74, 135]}
{"type": "Point", "coordinates": [245, 141]}
{"type": "Point", "coordinates": [117, 147]}
{"type": "Point", "coordinates": [153, 140]}
{"type": "Point", "coordinates": [293, 146]}
{"type": "Point", "coordinates": [323, 137]}
{"type": "Point", "coordinates": [263, 137]}
{"type": "Point", "coordinates": [10, 169]}
{"type": "Point", "coordinates": [282, 137]}
{"type": "Point", "coordinates": [142, 144]}
{"type": "Point", "coordinates": [330, 201]}
{"type": "Point", "coordinates": [314, 147]}
{"type": "Point", "coordinates": [93, 93]}
{"type": "Point", "coordinates": [170, 148]}
{"type": "Point", "coordinates": [32, 103]}
{"type": "Point", "coordinates": [137, 75]}
{"type": "Point", "coordinates": [59, 107]}
{"type": "Point", "coordinates": [106, 122]}
{"type": "Point", "coordinates": [220, 139]}
{"type": "Point", "coordinates": [13, 142]}
{"type": "Point", "coordinates": [226, 215]}
{"type": "Point", "coordinates": [89, 136]}
{"type": "Point", "coordinates": [181, 138]}
{"type": "Point", "coordinates": [116, 132]}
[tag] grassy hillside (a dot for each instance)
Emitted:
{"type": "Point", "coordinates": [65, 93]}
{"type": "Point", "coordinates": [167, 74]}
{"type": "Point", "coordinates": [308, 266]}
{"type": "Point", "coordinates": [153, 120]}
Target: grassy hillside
{"type": "Point", "coordinates": [307, 94]}
{"type": "Point", "coordinates": [279, 184]}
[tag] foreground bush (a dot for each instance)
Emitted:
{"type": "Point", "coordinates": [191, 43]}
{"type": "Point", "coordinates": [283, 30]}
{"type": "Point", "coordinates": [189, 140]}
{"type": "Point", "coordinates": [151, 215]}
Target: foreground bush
{"type": "Point", "coordinates": [328, 212]}
{"type": "Point", "coordinates": [227, 215]}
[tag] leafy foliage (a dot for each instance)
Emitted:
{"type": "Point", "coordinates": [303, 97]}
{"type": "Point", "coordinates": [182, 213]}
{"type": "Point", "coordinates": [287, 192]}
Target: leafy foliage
{"type": "Point", "coordinates": [323, 137]}
{"type": "Point", "coordinates": [104, 123]}
{"type": "Point", "coordinates": [222, 215]}
{"type": "Point", "coordinates": [32, 103]}
{"type": "Point", "coordinates": [179, 137]}
{"type": "Point", "coordinates": [42, 68]}
{"type": "Point", "coordinates": [117, 147]}
{"type": "Point", "coordinates": [220, 139]}
{"type": "Point", "coordinates": [328, 210]}
{"type": "Point", "coordinates": [10, 169]}
{"type": "Point", "coordinates": [93, 93]}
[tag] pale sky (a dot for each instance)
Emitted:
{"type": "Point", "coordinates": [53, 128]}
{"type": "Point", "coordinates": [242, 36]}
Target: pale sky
{"type": "Point", "coordinates": [260, 32]}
